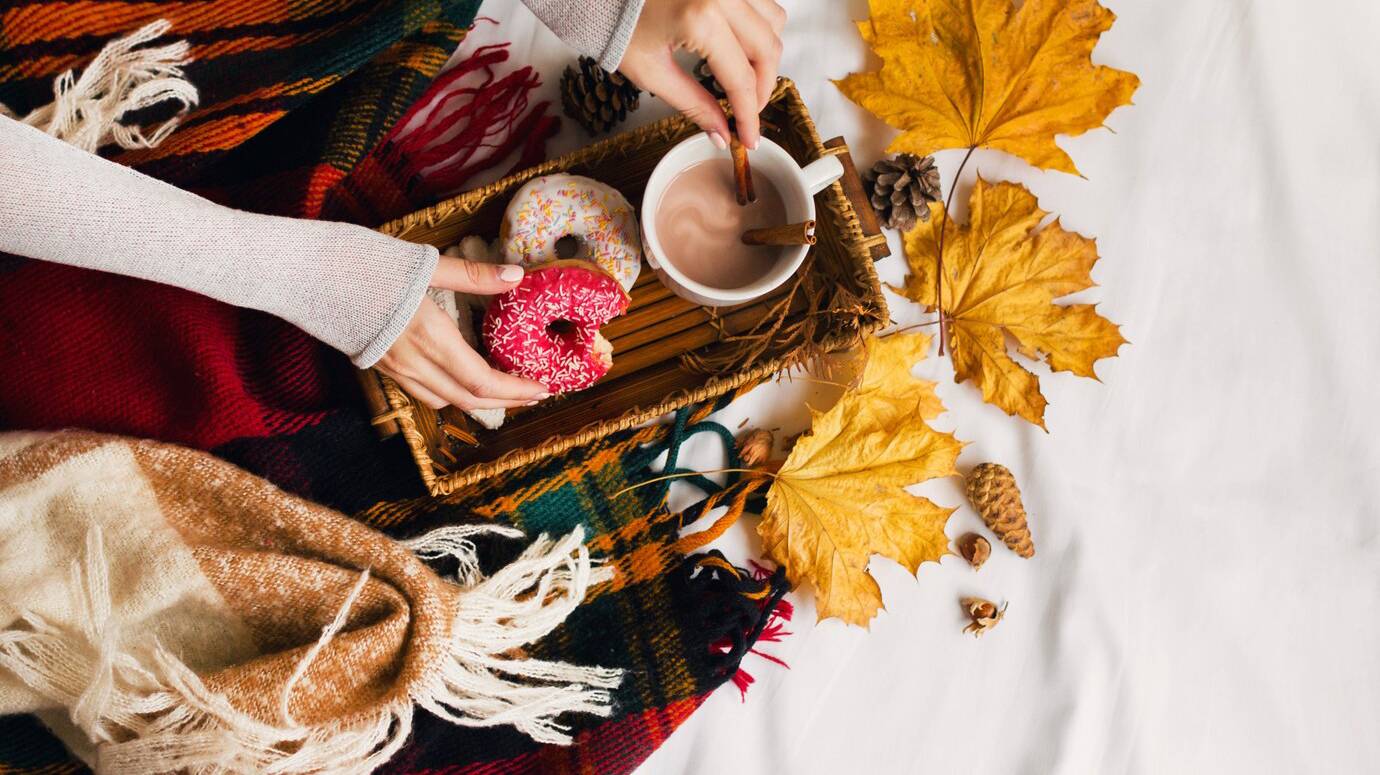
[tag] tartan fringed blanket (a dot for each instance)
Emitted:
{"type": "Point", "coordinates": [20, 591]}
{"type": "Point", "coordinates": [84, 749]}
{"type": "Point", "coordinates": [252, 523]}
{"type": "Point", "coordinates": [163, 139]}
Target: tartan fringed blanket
{"type": "Point", "coordinates": [168, 612]}
{"type": "Point", "coordinates": [296, 104]}
{"type": "Point", "coordinates": [676, 626]}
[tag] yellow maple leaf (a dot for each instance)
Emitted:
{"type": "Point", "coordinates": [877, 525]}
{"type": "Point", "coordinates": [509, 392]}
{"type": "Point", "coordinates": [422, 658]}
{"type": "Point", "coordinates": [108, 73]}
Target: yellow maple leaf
{"type": "Point", "coordinates": [840, 496]}
{"type": "Point", "coordinates": [885, 379]}
{"type": "Point", "coordinates": [968, 73]}
{"type": "Point", "coordinates": [1001, 277]}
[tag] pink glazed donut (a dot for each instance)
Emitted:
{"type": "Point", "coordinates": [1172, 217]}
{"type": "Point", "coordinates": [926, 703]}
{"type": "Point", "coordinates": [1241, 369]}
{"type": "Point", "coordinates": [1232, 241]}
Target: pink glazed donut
{"type": "Point", "coordinates": [547, 328]}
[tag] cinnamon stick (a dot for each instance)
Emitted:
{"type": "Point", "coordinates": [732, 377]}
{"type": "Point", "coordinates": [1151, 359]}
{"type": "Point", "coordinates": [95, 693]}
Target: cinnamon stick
{"type": "Point", "coordinates": [802, 233]}
{"type": "Point", "coordinates": [742, 171]}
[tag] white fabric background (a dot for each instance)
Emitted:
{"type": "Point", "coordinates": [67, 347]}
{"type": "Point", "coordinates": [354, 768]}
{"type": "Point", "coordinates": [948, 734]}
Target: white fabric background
{"type": "Point", "coordinates": [1206, 593]}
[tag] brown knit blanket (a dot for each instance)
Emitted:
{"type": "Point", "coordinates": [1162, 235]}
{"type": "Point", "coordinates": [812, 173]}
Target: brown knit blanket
{"type": "Point", "coordinates": [163, 610]}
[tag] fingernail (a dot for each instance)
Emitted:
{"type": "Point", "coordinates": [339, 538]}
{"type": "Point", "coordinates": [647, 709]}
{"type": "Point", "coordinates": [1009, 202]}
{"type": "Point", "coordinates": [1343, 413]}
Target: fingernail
{"type": "Point", "coordinates": [510, 273]}
{"type": "Point", "coordinates": [753, 145]}
{"type": "Point", "coordinates": [718, 141]}
{"type": "Point", "coordinates": [542, 397]}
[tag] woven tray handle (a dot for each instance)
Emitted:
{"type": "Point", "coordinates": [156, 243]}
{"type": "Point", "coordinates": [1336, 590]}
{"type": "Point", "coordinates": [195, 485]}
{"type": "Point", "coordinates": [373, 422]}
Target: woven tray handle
{"type": "Point", "coordinates": [384, 417]}
{"type": "Point", "coordinates": [852, 183]}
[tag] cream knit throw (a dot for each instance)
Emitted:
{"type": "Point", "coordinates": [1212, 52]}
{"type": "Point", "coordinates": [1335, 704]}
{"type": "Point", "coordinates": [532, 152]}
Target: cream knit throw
{"type": "Point", "coordinates": [165, 611]}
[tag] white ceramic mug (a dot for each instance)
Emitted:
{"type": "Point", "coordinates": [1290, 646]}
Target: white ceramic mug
{"type": "Point", "coordinates": [797, 186]}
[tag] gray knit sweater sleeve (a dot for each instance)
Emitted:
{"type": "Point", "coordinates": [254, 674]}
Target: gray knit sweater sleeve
{"type": "Point", "coordinates": [596, 28]}
{"type": "Point", "coordinates": [350, 287]}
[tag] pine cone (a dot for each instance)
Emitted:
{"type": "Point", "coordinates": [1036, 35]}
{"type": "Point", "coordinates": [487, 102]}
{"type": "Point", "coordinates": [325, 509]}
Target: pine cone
{"type": "Point", "coordinates": [901, 189]}
{"type": "Point", "coordinates": [597, 99]}
{"type": "Point", "coordinates": [993, 492]}
{"type": "Point", "coordinates": [706, 78]}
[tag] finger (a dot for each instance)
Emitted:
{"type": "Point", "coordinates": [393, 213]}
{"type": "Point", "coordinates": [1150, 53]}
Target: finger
{"type": "Point", "coordinates": [762, 46]}
{"type": "Point", "coordinates": [440, 343]}
{"type": "Point", "coordinates": [457, 274]}
{"type": "Point", "coordinates": [438, 379]}
{"type": "Point", "coordinates": [481, 380]}
{"type": "Point", "coordinates": [420, 392]}
{"type": "Point", "coordinates": [772, 12]}
{"type": "Point", "coordinates": [731, 69]}
{"type": "Point", "coordinates": [440, 360]}
{"type": "Point", "coordinates": [682, 92]}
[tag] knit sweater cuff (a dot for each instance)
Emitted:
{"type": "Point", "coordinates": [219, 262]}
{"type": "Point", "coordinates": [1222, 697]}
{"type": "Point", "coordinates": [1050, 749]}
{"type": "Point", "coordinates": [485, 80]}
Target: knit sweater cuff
{"type": "Point", "coordinates": [612, 55]}
{"type": "Point", "coordinates": [403, 313]}
{"type": "Point", "coordinates": [601, 29]}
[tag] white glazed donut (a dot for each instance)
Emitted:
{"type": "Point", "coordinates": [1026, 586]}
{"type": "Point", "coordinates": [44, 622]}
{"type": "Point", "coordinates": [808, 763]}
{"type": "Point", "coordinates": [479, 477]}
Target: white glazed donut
{"type": "Point", "coordinates": [555, 206]}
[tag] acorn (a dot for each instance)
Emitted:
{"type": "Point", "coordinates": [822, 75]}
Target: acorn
{"type": "Point", "coordinates": [975, 549]}
{"type": "Point", "coordinates": [983, 615]}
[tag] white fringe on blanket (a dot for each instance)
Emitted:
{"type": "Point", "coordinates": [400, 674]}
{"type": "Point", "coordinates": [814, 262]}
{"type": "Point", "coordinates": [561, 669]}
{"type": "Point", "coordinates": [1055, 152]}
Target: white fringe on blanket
{"type": "Point", "coordinates": [89, 111]}
{"type": "Point", "coordinates": [169, 721]}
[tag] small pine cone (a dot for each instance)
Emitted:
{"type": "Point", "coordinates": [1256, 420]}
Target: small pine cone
{"type": "Point", "coordinates": [975, 549]}
{"type": "Point", "coordinates": [993, 492]}
{"type": "Point", "coordinates": [706, 78]}
{"type": "Point", "coordinates": [595, 98]}
{"type": "Point", "coordinates": [754, 447]}
{"type": "Point", "coordinates": [901, 189]}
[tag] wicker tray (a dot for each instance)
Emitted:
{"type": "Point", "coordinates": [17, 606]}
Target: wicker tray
{"type": "Point", "coordinates": [668, 353]}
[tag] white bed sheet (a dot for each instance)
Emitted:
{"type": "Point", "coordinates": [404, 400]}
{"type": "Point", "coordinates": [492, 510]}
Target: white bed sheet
{"type": "Point", "coordinates": [1206, 594]}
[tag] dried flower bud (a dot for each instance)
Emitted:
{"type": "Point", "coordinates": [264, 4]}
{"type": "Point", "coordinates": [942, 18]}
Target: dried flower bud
{"type": "Point", "coordinates": [983, 615]}
{"type": "Point", "coordinates": [754, 446]}
{"type": "Point", "coordinates": [975, 549]}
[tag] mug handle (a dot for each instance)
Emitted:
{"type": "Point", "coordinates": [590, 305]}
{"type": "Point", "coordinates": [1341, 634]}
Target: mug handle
{"type": "Point", "coordinates": [820, 174]}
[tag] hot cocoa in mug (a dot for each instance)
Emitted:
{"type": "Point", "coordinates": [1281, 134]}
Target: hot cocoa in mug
{"type": "Point", "coordinates": [692, 224]}
{"type": "Point", "coordinates": [700, 224]}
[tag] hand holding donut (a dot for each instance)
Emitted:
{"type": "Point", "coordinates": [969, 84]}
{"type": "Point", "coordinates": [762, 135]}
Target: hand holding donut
{"type": "Point", "coordinates": [432, 362]}
{"type": "Point", "coordinates": [740, 38]}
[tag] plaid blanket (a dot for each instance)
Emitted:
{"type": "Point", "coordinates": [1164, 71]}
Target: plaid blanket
{"type": "Point", "coordinates": [678, 625]}
{"type": "Point", "coordinates": [298, 99]}
{"type": "Point", "coordinates": [164, 611]}
{"type": "Point", "coordinates": [295, 96]}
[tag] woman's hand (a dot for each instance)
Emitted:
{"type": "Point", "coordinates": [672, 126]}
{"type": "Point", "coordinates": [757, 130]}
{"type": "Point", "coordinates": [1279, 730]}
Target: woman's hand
{"type": "Point", "coordinates": [432, 362]}
{"type": "Point", "coordinates": [740, 38]}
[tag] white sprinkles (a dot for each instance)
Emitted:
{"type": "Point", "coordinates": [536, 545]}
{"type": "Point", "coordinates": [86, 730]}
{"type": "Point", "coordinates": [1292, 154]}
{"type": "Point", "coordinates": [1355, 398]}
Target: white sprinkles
{"type": "Point", "coordinates": [520, 342]}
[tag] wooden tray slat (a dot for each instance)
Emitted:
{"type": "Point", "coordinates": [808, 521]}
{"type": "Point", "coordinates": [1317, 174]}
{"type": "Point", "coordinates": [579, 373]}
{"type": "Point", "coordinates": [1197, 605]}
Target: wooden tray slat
{"type": "Point", "coordinates": [645, 311]}
{"type": "Point", "coordinates": [658, 326]}
{"type": "Point", "coordinates": [671, 345]}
